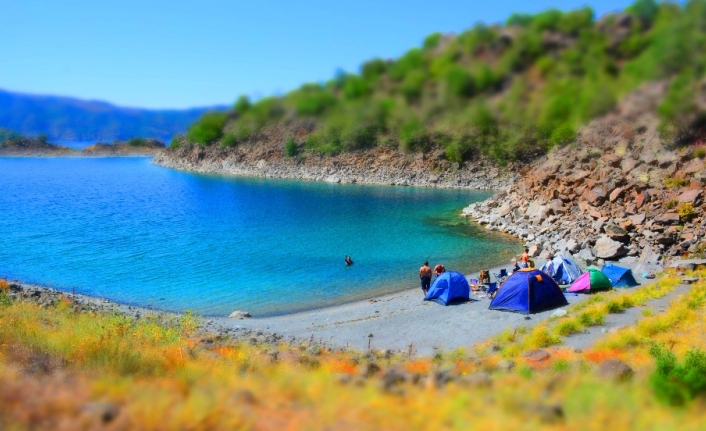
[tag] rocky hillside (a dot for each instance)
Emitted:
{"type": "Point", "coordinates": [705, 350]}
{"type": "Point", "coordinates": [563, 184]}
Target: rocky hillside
{"type": "Point", "coordinates": [21, 146]}
{"type": "Point", "coordinates": [265, 157]}
{"type": "Point", "coordinates": [40, 147]}
{"type": "Point", "coordinates": [619, 192]}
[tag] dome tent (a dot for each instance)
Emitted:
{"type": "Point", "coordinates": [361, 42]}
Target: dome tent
{"type": "Point", "coordinates": [619, 276]}
{"type": "Point", "coordinates": [593, 280]}
{"type": "Point", "coordinates": [528, 291]}
{"type": "Point", "coordinates": [449, 287]}
{"type": "Point", "coordinates": [562, 269]}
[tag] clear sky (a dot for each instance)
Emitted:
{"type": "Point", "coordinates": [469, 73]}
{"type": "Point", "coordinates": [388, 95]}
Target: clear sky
{"type": "Point", "coordinates": [179, 53]}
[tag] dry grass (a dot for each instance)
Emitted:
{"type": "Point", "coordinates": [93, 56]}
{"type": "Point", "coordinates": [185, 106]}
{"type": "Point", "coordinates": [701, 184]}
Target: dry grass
{"type": "Point", "coordinates": [54, 361]}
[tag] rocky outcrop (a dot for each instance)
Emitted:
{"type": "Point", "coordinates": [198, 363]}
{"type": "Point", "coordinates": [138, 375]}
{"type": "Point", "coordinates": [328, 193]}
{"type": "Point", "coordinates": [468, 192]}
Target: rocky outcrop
{"type": "Point", "coordinates": [619, 192]}
{"type": "Point", "coordinates": [266, 158]}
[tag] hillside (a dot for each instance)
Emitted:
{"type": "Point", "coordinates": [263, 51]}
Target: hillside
{"type": "Point", "coordinates": [503, 92]}
{"type": "Point", "coordinates": [69, 119]}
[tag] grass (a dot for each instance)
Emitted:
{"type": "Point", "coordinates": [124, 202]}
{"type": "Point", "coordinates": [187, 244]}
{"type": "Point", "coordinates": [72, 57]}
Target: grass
{"type": "Point", "coordinates": [162, 377]}
{"type": "Point", "coordinates": [590, 312]}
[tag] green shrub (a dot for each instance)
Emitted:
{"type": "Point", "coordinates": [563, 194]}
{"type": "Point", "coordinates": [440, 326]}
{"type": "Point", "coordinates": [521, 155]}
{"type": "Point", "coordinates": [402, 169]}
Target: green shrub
{"type": "Point", "coordinates": [411, 60]}
{"type": "Point", "coordinates": [291, 148]}
{"type": "Point", "coordinates": [208, 129]}
{"type": "Point", "coordinates": [671, 204]}
{"type": "Point", "coordinates": [460, 82]}
{"type": "Point", "coordinates": [371, 69]}
{"type": "Point", "coordinates": [686, 211]}
{"type": "Point", "coordinates": [432, 41]}
{"type": "Point", "coordinates": [414, 136]}
{"type": "Point", "coordinates": [563, 134]}
{"type": "Point", "coordinates": [699, 151]}
{"type": "Point", "coordinates": [678, 383]}
{"type": "Point", "coordinates": [313, 100]}
{"type": "Point", "coordinates": [242, 105]}
{"type": "Point", "coordinates": [174, 143]}
{"type": "Point", "coordinates": [355, 87]}
{"type": "Point", "coordinates": [229, 140]}
{"type": "Point", "coordinates": [672, 183]}
{"type": "Point", "coordinates": [43, 139]}
{"type": "Point", "coordinates": [136, 142]}
{"type": "Point", "coordinates": [412, 85]}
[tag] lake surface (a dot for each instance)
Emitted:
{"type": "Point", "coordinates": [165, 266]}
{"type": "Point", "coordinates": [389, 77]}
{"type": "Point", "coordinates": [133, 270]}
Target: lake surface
{"type": "Point", "coordinates": [124, 229]}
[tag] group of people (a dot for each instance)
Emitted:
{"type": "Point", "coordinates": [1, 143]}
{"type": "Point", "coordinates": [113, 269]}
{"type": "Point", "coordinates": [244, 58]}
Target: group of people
{"type": "Point", "coordinates": [425, 271]}
{"type": "Point", "coordinates": [425, 275]}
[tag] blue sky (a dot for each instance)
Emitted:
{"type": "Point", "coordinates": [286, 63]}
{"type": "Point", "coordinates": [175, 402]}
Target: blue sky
{"type": "Point", "coordinates": [177, 54]}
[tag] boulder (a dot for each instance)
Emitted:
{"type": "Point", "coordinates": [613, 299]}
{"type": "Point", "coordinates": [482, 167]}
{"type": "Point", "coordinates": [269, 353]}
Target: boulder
{"type": "Point", "coordinates": [637, 218]}
{"type": "Point", "coordinates": [693, 167]}
{"type": "Point", "coordinates": [616, 194]}
{"type": "Point", "coordinates": [615, 232]}
{"type": "Point", "coordinates": [628, 165]}
{"type": "Point", "coordinates": [239, 314]}
{"type": "Point", "coordinates": [536, 355]}
{"type": "Point", "coordinates": [688, 264]}
{"type": "Point", "coordinates": [606, 248]}
{"type": "Point", "coordinates": [668, 218]}
{"type": "Point", "coordinates": [615, 369]}
{"type": "Point", "coordinates": [690, 196]}
{"type": "Point", "coordinates": [641, 199]}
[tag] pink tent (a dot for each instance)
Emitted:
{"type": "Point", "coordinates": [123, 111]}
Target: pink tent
{"type": "Point", "coordinates": [592, 280]}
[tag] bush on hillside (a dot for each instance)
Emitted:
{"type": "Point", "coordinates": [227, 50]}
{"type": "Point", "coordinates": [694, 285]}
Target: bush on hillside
{"type": "Point", "coordinates": [136, 142]}
{"type": "Point", "coordinates": [678, 383]}
{"type": "Point", "coordinates": [414, 136]}
{"type": "Point", "coordinates": [460, 82]}
{"type": "Point", "coordinates": [412, 85]}
{"type": "Point", "coordinates": [208, 129]}
{"type": "Point", "coordinates": [242, 105]}
{"type": "Point", "coordinates": [291, 149]}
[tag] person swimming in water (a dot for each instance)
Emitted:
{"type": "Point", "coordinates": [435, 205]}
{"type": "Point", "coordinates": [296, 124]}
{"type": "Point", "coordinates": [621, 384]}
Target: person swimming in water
{"type": "Point", "coordinates": [349, 261]}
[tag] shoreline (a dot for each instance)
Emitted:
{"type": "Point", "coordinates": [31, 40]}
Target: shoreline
{"type": "Point", "coordinates": [398, 322]}
{"type": "Point", "coordinates": [375, 166]}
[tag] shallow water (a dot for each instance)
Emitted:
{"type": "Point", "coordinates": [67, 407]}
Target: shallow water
{"type": "Point", "coordinates": [127, 230]}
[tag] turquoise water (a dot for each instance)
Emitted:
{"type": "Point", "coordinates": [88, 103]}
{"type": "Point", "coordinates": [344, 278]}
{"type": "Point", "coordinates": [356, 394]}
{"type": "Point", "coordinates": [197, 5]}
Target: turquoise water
{"type": "Point", "coordinates": [127, 230]}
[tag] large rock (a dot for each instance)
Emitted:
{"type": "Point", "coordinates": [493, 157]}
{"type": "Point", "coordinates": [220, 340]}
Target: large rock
{"type": "Point", "coordinates": [688, 264]}
{"type": "Point", "coordinates": [615, 369]}
{"type": "Point", "coordinates": [693, 167]}
{"type": "Point", "coordinates": [668, 218]}
{"type": "Point", "coordinates": [239, 314]}
{"type": "Point", "coordinates": [606, 248]}
{"type": "Point", "coordinates": [628, 165]}
{"type": "Point", "coordinates": [615, 232]}
{"type": "Point", "coordinates": [616, 194]}
{"type": "Point", "coordinates": [537, 212]}
{"type": "Point", "coordinates": [637, 218]}
{"type": "Point", "coordinates": [592, 197]}
{"type": "Point", "coordinates": [536, 355]}
{"type": "Point", "coordinates": [690, 196]}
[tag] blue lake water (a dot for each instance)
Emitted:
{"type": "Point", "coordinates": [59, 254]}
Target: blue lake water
{"type": "Point", "coordinates": [127, 230]}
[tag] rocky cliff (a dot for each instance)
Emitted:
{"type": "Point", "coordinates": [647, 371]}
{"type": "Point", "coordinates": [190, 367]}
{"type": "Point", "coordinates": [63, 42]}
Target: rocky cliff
{"type": "Point", "coordinates": [619, 192]}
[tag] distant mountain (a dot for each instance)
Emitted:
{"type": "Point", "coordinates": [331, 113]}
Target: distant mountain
{"type": "Point", "coordinates": [69, 119]}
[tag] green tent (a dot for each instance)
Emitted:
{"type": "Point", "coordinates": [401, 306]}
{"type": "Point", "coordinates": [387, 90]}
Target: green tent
{"type": "Point", "coordinates": [593, 280]}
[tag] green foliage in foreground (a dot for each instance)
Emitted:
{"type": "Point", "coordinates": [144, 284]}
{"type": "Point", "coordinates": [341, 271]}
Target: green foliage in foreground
{"type": "Point", "coordinates": [498, 91]}
{"type": "Point", "coordinates": [677, 383]}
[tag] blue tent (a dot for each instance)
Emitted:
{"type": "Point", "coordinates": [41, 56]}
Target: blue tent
{"type": "Point", "coordinates": [562, 269]}
{"type": "Point", "coordinates": [528, 291]}
{"type": "Point", "coordinates": [619, 276]}
{"type": "Point", "coordinates": [449, 287]}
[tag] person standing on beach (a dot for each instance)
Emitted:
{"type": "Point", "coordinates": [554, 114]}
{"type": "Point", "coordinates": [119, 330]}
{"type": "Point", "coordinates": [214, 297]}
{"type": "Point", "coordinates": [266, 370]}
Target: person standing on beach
{"type": "Point", "coordinates": [425, 277]}
{"type": "Point", "coordinates": [439, 269]}
{"type": "Point", "coordinates": [524, 259]}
